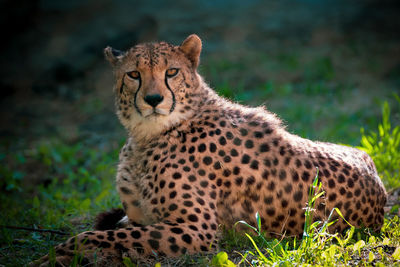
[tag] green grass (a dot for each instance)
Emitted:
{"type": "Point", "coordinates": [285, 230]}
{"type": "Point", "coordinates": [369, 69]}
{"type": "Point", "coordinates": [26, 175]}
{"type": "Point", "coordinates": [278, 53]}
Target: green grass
{"type": "Point", "coordinates": [77, 182]}
{"type": "Point", "coordinates": [320, 248]}
{"type": "Point", "coordinates": [384, 147]}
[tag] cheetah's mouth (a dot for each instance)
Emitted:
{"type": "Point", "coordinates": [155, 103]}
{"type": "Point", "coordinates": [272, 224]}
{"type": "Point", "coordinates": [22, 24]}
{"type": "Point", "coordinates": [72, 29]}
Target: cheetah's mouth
{"type": "Point", "coordinates": [155, 112]}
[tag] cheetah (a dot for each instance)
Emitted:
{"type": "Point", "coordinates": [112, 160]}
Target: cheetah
{"type": "Point", "coordinates": [194, 161]}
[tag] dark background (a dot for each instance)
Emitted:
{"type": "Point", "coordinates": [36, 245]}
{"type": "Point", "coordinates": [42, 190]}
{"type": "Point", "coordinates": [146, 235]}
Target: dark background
{"type": "Point", "coordinates": [55, 82]}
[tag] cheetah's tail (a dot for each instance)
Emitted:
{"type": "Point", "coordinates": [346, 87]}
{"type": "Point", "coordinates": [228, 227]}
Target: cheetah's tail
{"type": "Point", "coordinates": [108, 220]}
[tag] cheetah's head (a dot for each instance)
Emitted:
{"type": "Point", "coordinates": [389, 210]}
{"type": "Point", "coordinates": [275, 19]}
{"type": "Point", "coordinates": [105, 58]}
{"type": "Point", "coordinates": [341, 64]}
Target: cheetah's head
{"type": "Point", "coordinates": [156, 84]}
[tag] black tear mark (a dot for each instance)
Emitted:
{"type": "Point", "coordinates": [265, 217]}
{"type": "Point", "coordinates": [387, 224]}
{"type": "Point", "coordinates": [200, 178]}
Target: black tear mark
{"type": "Point", "coordinates": [136, 107]}
{"type": "Point", "coordinates": [172, 93]}
{"type": "Point", "coordinates": [121, 89]}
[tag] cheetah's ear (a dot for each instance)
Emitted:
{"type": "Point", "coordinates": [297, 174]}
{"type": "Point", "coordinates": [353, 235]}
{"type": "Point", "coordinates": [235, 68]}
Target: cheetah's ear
{"type": "Point", "coordinates": [191, 47]}
{"type": "Point", "coordinates": [113, 55]}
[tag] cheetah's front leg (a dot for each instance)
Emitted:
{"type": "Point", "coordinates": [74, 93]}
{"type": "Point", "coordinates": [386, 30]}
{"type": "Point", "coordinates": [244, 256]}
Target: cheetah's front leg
{"type": "Point", "coordinates": [162, 239]}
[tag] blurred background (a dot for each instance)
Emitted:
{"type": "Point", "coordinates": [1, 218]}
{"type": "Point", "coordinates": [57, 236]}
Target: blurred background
{"type": "Point", "coordinates": [325, 67]}
{"type": "Point", "coordinates": [305, 60]}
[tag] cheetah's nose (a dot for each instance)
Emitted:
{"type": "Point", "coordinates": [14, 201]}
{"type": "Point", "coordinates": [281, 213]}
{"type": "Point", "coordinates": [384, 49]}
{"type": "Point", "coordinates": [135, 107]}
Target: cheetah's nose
{"type": "Point", "coordinates": [153, 100]}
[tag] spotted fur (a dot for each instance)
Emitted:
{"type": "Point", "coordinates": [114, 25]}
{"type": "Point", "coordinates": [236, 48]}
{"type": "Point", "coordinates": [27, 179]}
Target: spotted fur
{"type": "Point", "coordinates": [196, 161]}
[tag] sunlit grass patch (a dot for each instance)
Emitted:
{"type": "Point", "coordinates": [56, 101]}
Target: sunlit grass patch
{"type": "Point", "coordinates": [384, 148]}
{"type": "Point", "coordinates": [318, 247]}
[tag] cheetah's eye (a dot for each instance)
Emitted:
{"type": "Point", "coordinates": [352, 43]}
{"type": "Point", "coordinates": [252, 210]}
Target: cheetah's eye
{"type": "Point", "coordinates": [134, 74]}
{"type": "Point", "coordinates": [171, 72]}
